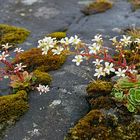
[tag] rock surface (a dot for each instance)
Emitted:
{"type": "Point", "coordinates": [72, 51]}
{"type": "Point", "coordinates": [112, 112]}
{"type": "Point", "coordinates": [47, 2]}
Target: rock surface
{"type": "Point", "coordinates": [52, 114]}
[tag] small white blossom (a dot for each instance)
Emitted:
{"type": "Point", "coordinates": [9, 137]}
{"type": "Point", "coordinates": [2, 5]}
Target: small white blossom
{"type": "Point", "coordinates": [137, 40]}
{"type": "Point", "coordinates": [3, 56]}
{"type": "Point", "coordinates": [75, 40]}
{"type": "Point", "coordinates": [78, 59]}
{"type": "Point", "coordinates": [120, 72]}
{"type": "Point", "coordinates": [18, 50]}
{"type": "Point", "coordinates": [47, 42]}
{"type": "Point", "coordinates": [19, 67]}
{"type": "Point", "coordinates": [114, 40]}
{"type": "Point", "coordinates": [57, 51]}
{"type": "Point", "coordinates": [97, 62]}
{"type": "Point", "coordinates": [6, 46]}
{"type": "Point", "coordinates": [98, 38]}
{"type": "Point", "coordinates": [45, 50]}
{"type": "Point", "coordinates": [94, 48]}
{"type": "Point", "coordinates": [65, 41]}
{"type": "Point", "coordinates": [126, 40]}
{"type": "Point", "coordinates": [108, 68]}
{"type": "Point", "coordinates": [99, 72]}
{"type": "Point", "coordinates": [42, 88]}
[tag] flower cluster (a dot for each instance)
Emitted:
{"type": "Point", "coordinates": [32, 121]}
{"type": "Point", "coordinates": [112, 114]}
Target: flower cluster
{"type": "Point", "coordinates": [12, 68]}
{"type": "Point", "coordinates": [57, 47]}
{"type": "Point", "coordinates": [42, 88]}
{"type": "Point", "coordinates": [104, 62]}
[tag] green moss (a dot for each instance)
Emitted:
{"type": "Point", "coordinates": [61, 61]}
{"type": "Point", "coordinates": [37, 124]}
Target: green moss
{"type": "Point", "coordinates": [87, 127]}
{"type": "Point", "coordinates": [97, 125]}
{"type": "Point", "coordinates": [12, 107]}
{"type": "Point", "coordinates": [99, 86]}
{"type": "Point", "coordinates": [42, 77]}
{"type": "Point", "coordinates": [34, 59]}
{"type": "Point", "coordinates": [133, 32]}
{"type": "Point", "coordinates": [102, 103]}
{"type": "Point", "coordinates": [131, 57]}
{"type": "Point", "coordinates": [97, 7]}
{"type": "Point", "coordinates": [12, 34]}
{"type": "Point", "coordinates": [135, 4]}
{"type": "Point", "coordinates": [57, 35]}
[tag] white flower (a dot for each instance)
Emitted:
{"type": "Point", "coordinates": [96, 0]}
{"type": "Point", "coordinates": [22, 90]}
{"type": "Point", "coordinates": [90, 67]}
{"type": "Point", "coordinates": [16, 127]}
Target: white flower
{"type": "Point", "coordinates": [97, 62]}
{"type": "Point", "coordinates": [108, 68]}
{"type": "Point", "coordinates": [6, 46]}
{"type": "Point", "coordinates": [42, 88]}
{"type": "Point", "coordinates": [19, 67]}
{"type": "Point", "coordinates": [3, 56]}
{"type": "Point", "coordinates": [126, 40]}
{"type": "Point", "coordinates": [18, 50]}
{"type": "Point", "coordinates": [114, 39]}
{"type": "Point", "coordinates": [94, 48]}
{"type": "Point", "coordinates": [78, 59]}
{"type": "Point", "coordinates": [98, 38]}
{"type": "Point", "coordinates": [99, 72]}
{"type": "Point", "coordinates": [45, 50]}
{"type": "Point", "coordinates": [47, 42]}
{"type": "Point", "coordinates": [137, 40]}
{"type": "Point", "coordinates": [58, 50]}
{"type": "Point", "coordinates": [65, 41]}
{"type": "Point", "coordinates": [133, 71]}
{"type": "Point", "coordinates": [120, 72]}
{"type": "Point", "coordinates": [75, 40]}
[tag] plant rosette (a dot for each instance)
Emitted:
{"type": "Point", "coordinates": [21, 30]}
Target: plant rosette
{"type": "Point", "coordinates": [128, 93]}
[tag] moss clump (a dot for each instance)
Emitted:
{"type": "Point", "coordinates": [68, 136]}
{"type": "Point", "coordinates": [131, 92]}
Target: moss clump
{"type": "Point", "coordinates": [12, 34]}
{"type": "Point", "coordinates": [99, 87]}
{"type": "Point", "coordinates": [133, 32]}
{"type": "Point", "coordinates": [97, 125]}
{"type": "Point", "coordinates": [11, 108]}
{"type": "Point", "coordinates": [34, 59]}
{"type": "Point", "coordinates": [102, 102]}
{"type": "Point", "coordinates": [135, 4]}
{"type": "Point", "coordinates": [42, 77]}
{"type": "Point", "coordinates": [97, 7]}
{"type": "Point", "coordinates": [57, 35]}
{"type": "Point", "coordinates": [89, 127]}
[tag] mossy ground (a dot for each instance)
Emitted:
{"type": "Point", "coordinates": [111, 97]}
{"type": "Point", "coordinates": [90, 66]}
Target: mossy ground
{"type": "Point", "coordinates": [98, 6]}
{"type": "Point", "coordinates": [34, 59]}
{"type": "Point", "coordinates": [107, 120]}
{"type": "Point", "coordinates": [12, 35]}
{"type": "Point", "coordinates": [12, 107]}
{"type": "Point", "coordinates": [97, 125]}
{"type": "Point", "coordinates": [99, 87]}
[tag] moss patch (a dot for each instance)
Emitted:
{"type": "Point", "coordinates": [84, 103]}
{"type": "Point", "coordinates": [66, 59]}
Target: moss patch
{"type": "Point", "coordinates": [103, 102]}
{"type": "Point", "coordinates": [135, 4]}
{"type": "Point", "coordinates": [99, 87]}
{"type": "Point", "coordinates": [97, 7]}
{"type": "Point", "coordinates": [12, 34]}
{"type": "Point", "coordinates": [12, 107]}
{"type": "Point", "coordinates": [42, 77]}
{"type": "Point", "coordinates": [34, 59]}
{"type": "Point", "coordinates": [57, 35]}
{"type": "Point", "coordinates": [99, 126]}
